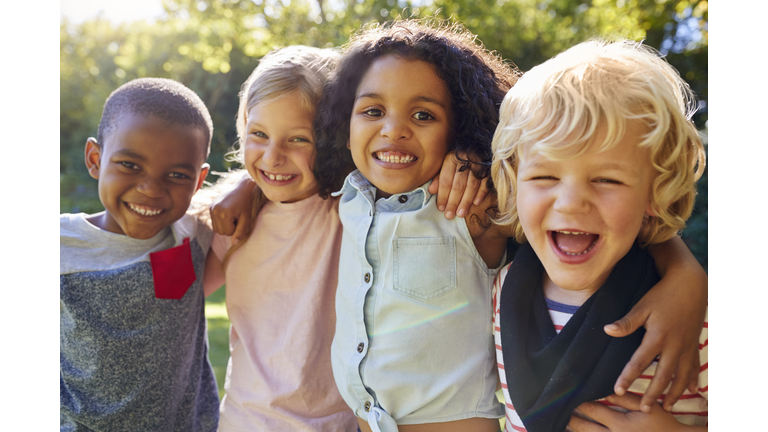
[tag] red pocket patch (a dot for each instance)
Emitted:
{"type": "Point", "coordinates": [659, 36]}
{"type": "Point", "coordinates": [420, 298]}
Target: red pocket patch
{"type": "Point", "coordinates": [173, 271]}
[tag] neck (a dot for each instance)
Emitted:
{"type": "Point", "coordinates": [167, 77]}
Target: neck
{"type": "Point", "coordinates": [571, 297]}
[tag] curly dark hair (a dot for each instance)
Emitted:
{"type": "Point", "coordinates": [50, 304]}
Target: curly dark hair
{"type": "Point", "coordinates": [477, 80]}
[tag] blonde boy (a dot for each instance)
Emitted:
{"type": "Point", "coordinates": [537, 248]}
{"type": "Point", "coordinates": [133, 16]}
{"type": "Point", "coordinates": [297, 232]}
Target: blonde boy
{"type": "Point", "coordinates": [595, 158]}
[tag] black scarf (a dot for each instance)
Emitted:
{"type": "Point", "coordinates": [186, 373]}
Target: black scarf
{"type": "Point", "coordinates": [550, 374]}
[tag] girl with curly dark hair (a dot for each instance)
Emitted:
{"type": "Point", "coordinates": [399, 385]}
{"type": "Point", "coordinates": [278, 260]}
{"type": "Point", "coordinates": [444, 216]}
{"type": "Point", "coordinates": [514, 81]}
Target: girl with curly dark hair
{"type": "Point", "coordinates": [413, 348]}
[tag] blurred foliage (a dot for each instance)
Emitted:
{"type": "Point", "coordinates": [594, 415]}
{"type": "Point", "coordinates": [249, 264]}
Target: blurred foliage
{"type": "Point", "coordinates": [213, 45]}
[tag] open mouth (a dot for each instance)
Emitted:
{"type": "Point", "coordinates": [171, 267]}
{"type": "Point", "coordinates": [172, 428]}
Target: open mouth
{"type": "Point", "coordinates": [278, 177]}
{"type": "Point", "coordinates": [574, 243]}
{"type": "Point", "coordinates": [394, 157]}
{"type": "Point", "coordinates": [144, 210]}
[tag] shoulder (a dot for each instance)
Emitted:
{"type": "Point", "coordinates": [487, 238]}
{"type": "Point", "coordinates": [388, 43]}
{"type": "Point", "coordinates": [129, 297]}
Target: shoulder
{"type": "Point", "coordinates": [192, 227]}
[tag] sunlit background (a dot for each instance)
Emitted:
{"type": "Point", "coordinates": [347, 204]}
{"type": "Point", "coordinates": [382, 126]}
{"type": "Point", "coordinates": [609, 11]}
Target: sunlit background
{"type": "Point", "coordinates": [115, 11]}
{"type": "Point", "coordinates": [213, 45]}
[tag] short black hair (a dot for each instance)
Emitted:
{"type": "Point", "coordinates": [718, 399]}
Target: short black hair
{"type": "Point", "coordinates": [476, 79]}
{"type": "Point", "coordinates": [163, 98]}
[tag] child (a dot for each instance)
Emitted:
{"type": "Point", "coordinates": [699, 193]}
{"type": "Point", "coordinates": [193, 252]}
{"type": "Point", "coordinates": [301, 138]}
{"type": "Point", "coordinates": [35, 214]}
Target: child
{"type": "Point", "coordinates": [281, 279]}
{"type": "Point", "coordinates": [594, 159]}
{"type": "Point", "coordinates": [413, 347]}
{"type": "Point", "coordinates": [134, 348]}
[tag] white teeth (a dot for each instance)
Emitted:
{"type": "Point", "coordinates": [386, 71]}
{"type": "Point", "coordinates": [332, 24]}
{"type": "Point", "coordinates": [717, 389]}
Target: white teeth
{"type": "Point", "coordinates": [144, 211]}
{"type": "Point", "coordinates": [580, 233]}
{"type": "Point", "coordinates": [278, 177]}
{"type": "Point", "coordinates": [394, 158]}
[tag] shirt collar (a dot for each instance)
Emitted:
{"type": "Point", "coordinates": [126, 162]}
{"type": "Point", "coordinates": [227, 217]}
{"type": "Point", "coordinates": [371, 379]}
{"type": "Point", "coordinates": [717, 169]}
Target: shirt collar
{"type": "Point", "coordinates": [415, 199]}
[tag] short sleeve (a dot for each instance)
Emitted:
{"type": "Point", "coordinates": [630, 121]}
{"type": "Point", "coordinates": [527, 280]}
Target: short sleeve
{"type": "Point", "coordinates": [221, 245]}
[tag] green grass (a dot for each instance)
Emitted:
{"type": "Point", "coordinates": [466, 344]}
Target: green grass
{"type": "Point", "coordinates": [218, 335]}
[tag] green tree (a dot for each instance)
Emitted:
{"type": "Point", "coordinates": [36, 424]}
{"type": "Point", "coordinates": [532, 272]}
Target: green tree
{"type": "Point", "coordinates": [213, 45]}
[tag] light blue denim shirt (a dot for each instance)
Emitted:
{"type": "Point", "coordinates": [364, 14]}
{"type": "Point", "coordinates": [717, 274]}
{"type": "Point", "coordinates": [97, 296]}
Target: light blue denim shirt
{"type": "Point", "coordinates": [414, 337]}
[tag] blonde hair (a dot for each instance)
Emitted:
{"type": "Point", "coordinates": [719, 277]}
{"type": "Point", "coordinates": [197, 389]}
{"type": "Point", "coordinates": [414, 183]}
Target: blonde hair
{"type": "Point", "coordinates": [556, 108]}
{"type": "Point", "coordinates": [279, 73]}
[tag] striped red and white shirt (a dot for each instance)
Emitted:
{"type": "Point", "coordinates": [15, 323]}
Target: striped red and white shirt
{"type": "Point", "coordinates": [690, 409]}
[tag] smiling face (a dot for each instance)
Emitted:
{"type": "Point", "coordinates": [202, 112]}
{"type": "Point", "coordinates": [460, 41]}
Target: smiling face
{"type": "Point", "coordinates": [582, 215]}
{"type": "Point", "coordinates": [279, 148]}
{"type": "Point", "coordinates": [148, 171]}
{"type": "Point", "coordinates": [400, 124]}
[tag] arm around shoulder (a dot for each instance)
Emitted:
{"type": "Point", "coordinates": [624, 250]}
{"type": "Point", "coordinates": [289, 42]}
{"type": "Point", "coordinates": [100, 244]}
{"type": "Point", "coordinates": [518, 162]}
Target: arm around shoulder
{"type": "Point", "coordinates": [490, 239]}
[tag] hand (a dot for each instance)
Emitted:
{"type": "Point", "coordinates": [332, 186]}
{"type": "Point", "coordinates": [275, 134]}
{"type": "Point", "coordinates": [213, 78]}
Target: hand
{"type": "Point", "coordinates": [669, 335]}
{"type": "Point", "coordinates": [633, 421]}
{"type": "Point", "coordinates": [673, 313]}
{"type": "Point", "coordinates": [457, 189]}
{"type": "Point", "coordinates": [231, 212]}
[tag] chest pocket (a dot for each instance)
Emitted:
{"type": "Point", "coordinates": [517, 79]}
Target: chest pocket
{"type": "Point", "coordinates": [424, 268]}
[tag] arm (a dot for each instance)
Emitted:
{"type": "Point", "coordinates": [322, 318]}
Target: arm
{"type": "Point", "coordinates": [633, 421]}
{"type": "Point", "coordinates": [456, 188]}
{"type": "Point", "coordinates": [213, 277]}
{"type": "Point", "coordinates": [231, 212]}
{"type": "Point", "coordinates": [490, 239]}
{"type": "Point", "coordinates": [672, 313]}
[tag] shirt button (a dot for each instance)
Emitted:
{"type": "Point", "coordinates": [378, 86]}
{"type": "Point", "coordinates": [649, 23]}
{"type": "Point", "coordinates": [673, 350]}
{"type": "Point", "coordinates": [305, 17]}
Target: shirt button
{"type": "Point", "coordinates": [403, 199]}
{"type": "Point", "coordinates": [360, 347]}
{"type": "Point", "coordinates": [367, 406]}
{"type": "Point", "coordinates": [367, 277]}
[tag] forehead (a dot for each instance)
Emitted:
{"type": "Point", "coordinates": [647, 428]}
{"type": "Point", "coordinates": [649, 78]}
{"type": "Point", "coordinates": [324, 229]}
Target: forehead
{"type": "Point", "coordinates": [287, 108]}
{"type": "Point", "coordinates": [152, 136]}
{"type": "Point", "coordinates": [393, 75]}
{"type": "Point", "coordinates": [623, 139]}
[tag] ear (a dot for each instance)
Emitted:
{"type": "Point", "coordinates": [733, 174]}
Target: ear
{"type": "Point", "coordinates": [348, 145]}
{"type": "Point", "coordinates": [203, 174]}
{"type": "Point", "coordinates": [649, 210]}
{"type": "Point", "coordinates": [93, 157]}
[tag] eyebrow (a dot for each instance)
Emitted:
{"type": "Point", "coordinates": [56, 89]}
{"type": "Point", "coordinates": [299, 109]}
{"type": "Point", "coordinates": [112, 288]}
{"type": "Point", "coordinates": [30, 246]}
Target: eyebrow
{"type": "Point", "coordinates": [416, 99]}
{"type": "Point", "coordinates": [606, 166]}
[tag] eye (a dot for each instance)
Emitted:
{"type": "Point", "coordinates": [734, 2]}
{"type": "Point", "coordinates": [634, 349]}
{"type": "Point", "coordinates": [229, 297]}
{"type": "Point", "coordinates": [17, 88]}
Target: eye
{"type": "Point", "coordinates": [178, 176]}
{"type": "Point", "coordinates": [423, 116]}
{"type": "Point", "coordinates": [129, 165]}
{"type": "Point", "coordinates": [259, 134]}
{"type": "Point", "coordinates": [299, 139]}
{"type": "Point", "coordinates": [608, 181]}
{"type": "Point", "coordinates": [373, 112]}
{"type": "Point", "coordinates": [544, 177]}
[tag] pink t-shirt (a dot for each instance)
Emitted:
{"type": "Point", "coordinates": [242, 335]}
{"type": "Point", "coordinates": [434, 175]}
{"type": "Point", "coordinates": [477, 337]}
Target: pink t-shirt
{"type": "Point", "coordinates": [281, 287]}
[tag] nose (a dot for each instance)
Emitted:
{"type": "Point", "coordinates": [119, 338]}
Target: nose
{"type": "Point", "coordinates": [395, 128]}
{"type": "Point", "coordinates": [151, 186]}
{"type": "Point", "coordinates": [572, 198]}
{"type": "Point", "coordinates": [273, 154]}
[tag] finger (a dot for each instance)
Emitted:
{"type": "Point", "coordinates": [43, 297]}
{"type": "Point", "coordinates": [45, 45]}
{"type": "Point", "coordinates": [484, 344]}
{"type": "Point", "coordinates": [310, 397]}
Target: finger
{"type": "Point", "coordinates": [462, 182]}
{"type": "Point", "coordinates": [222, 225]}
{"type": "Point", "coordinates": [446, 181]}
{"type": "Point", "coordinates": [686, 374]}
{"type": "Point", "coordinates": [599, 413]}
{"type": "Point", "coordinates": [579, 424]}
{"type": "Point", "coordinates": [643, 356]}
{"type": "Point", "coordinates": [662, 377]}
{"type": "Point", "coordinates": [629, 323]}
{"type": "Point", "coordinates": [459, 185]}
{"type": "Point", "coordinates": [433, 187]}
{"type": "Point", "coordinates": [628, 401]}
{"type": "Point", "coordinates": [242, 228]}
{"type": "Point", "coordinates": [473, 186]}
{"type": "Point", "coordinates": [482, 192]}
